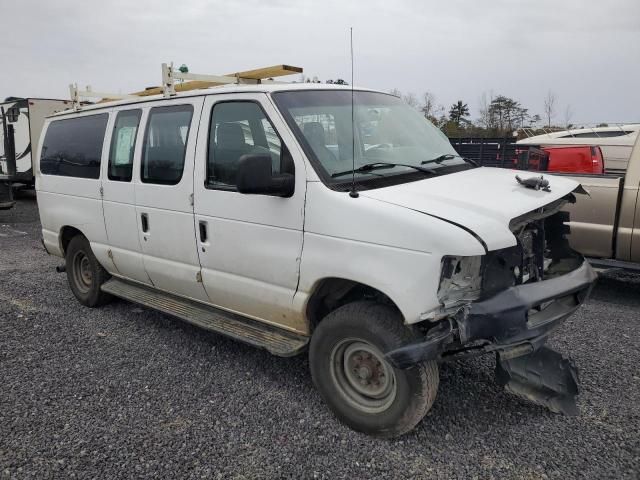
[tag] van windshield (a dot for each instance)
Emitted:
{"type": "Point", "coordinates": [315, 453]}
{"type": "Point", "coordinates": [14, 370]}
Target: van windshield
{"type": "Point", "coordinates": [387, 131]}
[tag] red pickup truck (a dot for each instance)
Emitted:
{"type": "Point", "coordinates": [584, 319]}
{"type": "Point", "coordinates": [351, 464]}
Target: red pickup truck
{"type": "Point", "coordinates": [575, 159]}
{"type": "Point", "coordinates": [567, 159]}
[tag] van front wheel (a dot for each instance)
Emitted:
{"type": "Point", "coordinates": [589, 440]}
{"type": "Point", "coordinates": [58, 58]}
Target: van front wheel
{"type": "Point", "coordinates": [346, 357]}
{"type": "Point", "coordinates": [85, 274]}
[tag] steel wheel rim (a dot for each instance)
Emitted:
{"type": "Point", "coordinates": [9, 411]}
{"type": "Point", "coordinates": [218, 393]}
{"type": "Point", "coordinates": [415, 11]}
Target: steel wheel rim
{"type": "Point", "coordinates": [362, 375]}
{"type": "Point", "coordinates": [82, 273]}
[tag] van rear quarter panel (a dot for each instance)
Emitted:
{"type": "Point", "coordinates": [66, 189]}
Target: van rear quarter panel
{"type": "Point", "coordinates": [66, 201]}
{"type": "Point", "coordinates": [71, 201]}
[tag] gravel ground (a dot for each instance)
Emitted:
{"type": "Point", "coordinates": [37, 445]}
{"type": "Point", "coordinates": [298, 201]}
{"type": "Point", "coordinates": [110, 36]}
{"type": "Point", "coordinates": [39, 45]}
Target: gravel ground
{"type": "Point", "coordinates": [123, 391]}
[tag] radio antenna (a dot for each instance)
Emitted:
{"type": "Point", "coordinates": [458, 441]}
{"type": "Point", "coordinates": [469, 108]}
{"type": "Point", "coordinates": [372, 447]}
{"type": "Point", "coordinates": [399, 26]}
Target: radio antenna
{"type": "Point", "coordinates": [353, 193]}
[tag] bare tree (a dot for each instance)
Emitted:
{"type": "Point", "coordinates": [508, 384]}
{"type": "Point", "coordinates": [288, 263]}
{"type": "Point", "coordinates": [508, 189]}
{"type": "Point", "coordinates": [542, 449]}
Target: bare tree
{"type": "Point", "coordinates": [439, 118]}
{"type": "Point", "coordinates": [395, 92]}
{"type": "Point", "coordinates": [486, 119]}
{"type": "Point", "coordinates": [534, 120]}
{"type": "Point", "coordinates": [550, 107]}
{"type": "Point", "coordinates": [429, 104]}
{"type": "Point", "coordinates": [433, 111]}
{"type": "Point", "coordinates": [411, 100]}
{"type": "Point", "coordinates": [568, 115]}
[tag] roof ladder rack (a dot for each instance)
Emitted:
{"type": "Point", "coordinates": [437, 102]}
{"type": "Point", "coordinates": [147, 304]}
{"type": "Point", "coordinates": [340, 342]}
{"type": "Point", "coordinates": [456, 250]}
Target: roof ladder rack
{"type": "Point", "coordinates": [77, 94]}
{"type": "Point", "coordinates": [260, 75]}
{"type": "Point", "coordinates": [170, 75]}
{"type": "Point", "coordinates": [188, 81]}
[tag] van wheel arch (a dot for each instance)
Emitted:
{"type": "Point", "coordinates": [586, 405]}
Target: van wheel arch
{"type": "Point", "coordinates": [346, 359]}
{"type": "Point", "coordinates": [66, 235]}
{"type": "Point", "coordinates": [332, 293]}
{"type": "Point", "coordinates": [85, 275]}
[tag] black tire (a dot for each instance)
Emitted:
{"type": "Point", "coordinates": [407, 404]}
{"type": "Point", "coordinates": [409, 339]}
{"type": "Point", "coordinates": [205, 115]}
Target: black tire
{"type": "Point", "coordinates": [85, 274]}
{"type": "Point", "coordinates": [371, 329]}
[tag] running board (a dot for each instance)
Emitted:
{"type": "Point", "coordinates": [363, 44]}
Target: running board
{"type": "Point", "coordinates": [277, 341]}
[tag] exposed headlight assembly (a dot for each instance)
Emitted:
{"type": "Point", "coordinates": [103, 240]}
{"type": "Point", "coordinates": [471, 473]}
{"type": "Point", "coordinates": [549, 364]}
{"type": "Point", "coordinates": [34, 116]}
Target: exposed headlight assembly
{"type": "Point", "coordinates": [460, 280]}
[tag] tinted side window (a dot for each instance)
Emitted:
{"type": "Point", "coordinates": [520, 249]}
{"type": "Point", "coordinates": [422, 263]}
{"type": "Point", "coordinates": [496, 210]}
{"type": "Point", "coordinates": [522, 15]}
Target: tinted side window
{"type": "Point", "coordinates": [123, 142]}
{"type": "Point", "coordinates": [237, 129]}
{"type": "Point", "coordinates": [165, 144]}
{"type": "Point", "coordinates": [73, 147]}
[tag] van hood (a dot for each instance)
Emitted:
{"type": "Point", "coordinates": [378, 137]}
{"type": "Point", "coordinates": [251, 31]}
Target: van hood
{"type": "Point", "coordinates": [483, 200]}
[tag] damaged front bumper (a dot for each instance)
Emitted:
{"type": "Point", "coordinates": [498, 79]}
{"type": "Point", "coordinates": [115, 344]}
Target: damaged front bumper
{"type": "Point", "coordinates": [529, 312]}
{"type": "Point", "coordinates": [515, 324]}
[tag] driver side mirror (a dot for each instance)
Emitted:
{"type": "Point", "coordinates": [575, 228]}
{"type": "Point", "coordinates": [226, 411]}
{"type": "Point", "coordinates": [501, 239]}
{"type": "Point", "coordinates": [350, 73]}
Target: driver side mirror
{"type": "Point", "coordinates": [254, 177]}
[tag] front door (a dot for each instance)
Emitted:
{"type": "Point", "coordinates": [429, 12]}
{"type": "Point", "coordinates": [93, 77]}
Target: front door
{"type": "Point", "coordinates": [163, 191]}
{"type": "Point", "coordinates": [249, 245]}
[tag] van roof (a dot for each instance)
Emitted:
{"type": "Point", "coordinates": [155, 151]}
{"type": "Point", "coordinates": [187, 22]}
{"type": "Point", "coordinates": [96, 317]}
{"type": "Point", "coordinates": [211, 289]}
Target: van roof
{"type": "Point", "coordinates": [216, 90]}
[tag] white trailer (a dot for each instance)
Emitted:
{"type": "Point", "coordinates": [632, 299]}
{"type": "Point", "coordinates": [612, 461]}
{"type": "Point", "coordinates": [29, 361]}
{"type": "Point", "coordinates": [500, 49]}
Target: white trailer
{"type": "Point", "coordinates": [21, 121]}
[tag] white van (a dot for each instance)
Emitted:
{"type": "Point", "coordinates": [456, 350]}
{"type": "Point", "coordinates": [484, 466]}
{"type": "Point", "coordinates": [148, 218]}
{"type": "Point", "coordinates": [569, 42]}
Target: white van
{"type": "Point", "coordinates": [238, 209]}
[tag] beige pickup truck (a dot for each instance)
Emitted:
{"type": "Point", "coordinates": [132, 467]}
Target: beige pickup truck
{"type": "Point", "coordinates": [605, 225]}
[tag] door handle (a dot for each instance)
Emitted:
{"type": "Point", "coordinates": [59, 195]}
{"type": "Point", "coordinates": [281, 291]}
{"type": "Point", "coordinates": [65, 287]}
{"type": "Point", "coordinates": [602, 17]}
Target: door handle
{"type": "Point", "coordinates": [202, 227]}
{"type": "Point", "coordinates": [144, 220]}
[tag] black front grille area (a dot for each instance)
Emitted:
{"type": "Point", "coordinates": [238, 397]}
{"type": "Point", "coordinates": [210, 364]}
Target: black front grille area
{"type": "Point", "coordinates": [542, 251]}
{"type": "Point", "coordinates": [516, 265]}
{"type": "Point", "coordinates": [532, 245]}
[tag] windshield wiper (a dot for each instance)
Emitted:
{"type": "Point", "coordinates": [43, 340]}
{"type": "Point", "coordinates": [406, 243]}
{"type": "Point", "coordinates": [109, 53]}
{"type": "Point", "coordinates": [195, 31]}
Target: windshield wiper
{"type": "Point", "coordinates": [449, 156]}
{"type": "Point", "coordinates": [367, 167]}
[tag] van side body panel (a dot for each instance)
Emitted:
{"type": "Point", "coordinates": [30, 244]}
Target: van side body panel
{"type": "Point", "coordinates": [71, 201]}
{"type": "Point", "coordinates": [169, 244]}
{"type": "Point", "coordinates": [392, 249]}
{"type": "Point", "coordinates": [120, 218]}
{"type": "Point", "coordinates": [251, 254]}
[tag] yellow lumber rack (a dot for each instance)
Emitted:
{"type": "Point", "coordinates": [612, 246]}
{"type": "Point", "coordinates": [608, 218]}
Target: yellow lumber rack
{"type": "Point", "coordinates": [190, 81]}
{"type": "Point", "coordinates": [205, 81]}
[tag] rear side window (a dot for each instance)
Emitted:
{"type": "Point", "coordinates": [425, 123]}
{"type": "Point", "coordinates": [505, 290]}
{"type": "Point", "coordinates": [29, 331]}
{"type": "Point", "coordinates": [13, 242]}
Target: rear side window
{"type": "Point", "coordinates": [122, 145]}
{"type": "Point", "coordinates": [165, 144]}
{"type": "Point", "coordinates": [73, 147]}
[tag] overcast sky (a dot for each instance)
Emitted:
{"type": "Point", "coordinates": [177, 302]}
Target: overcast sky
{"type": "Point", "coordinates": [586, 51]}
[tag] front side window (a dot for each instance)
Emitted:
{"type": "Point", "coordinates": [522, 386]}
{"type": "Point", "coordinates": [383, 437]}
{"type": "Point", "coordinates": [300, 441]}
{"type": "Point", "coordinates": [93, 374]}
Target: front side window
{"type": "Point", "coordinates": [122, 145]}
{"type": "Point", "coordinates": [237, 129]}
{"type": "Point", "coordinates": [165, 144]}
{"type": "Point", "coordinates": [382, 132]}
{"type": "Point", "coordinates": [73, 147]}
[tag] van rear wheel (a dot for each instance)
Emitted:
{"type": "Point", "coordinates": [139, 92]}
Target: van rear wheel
{"type": "Point", "coordinates": [348, 367]}
{"type": "Point", "coordinates": [85, 274]}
